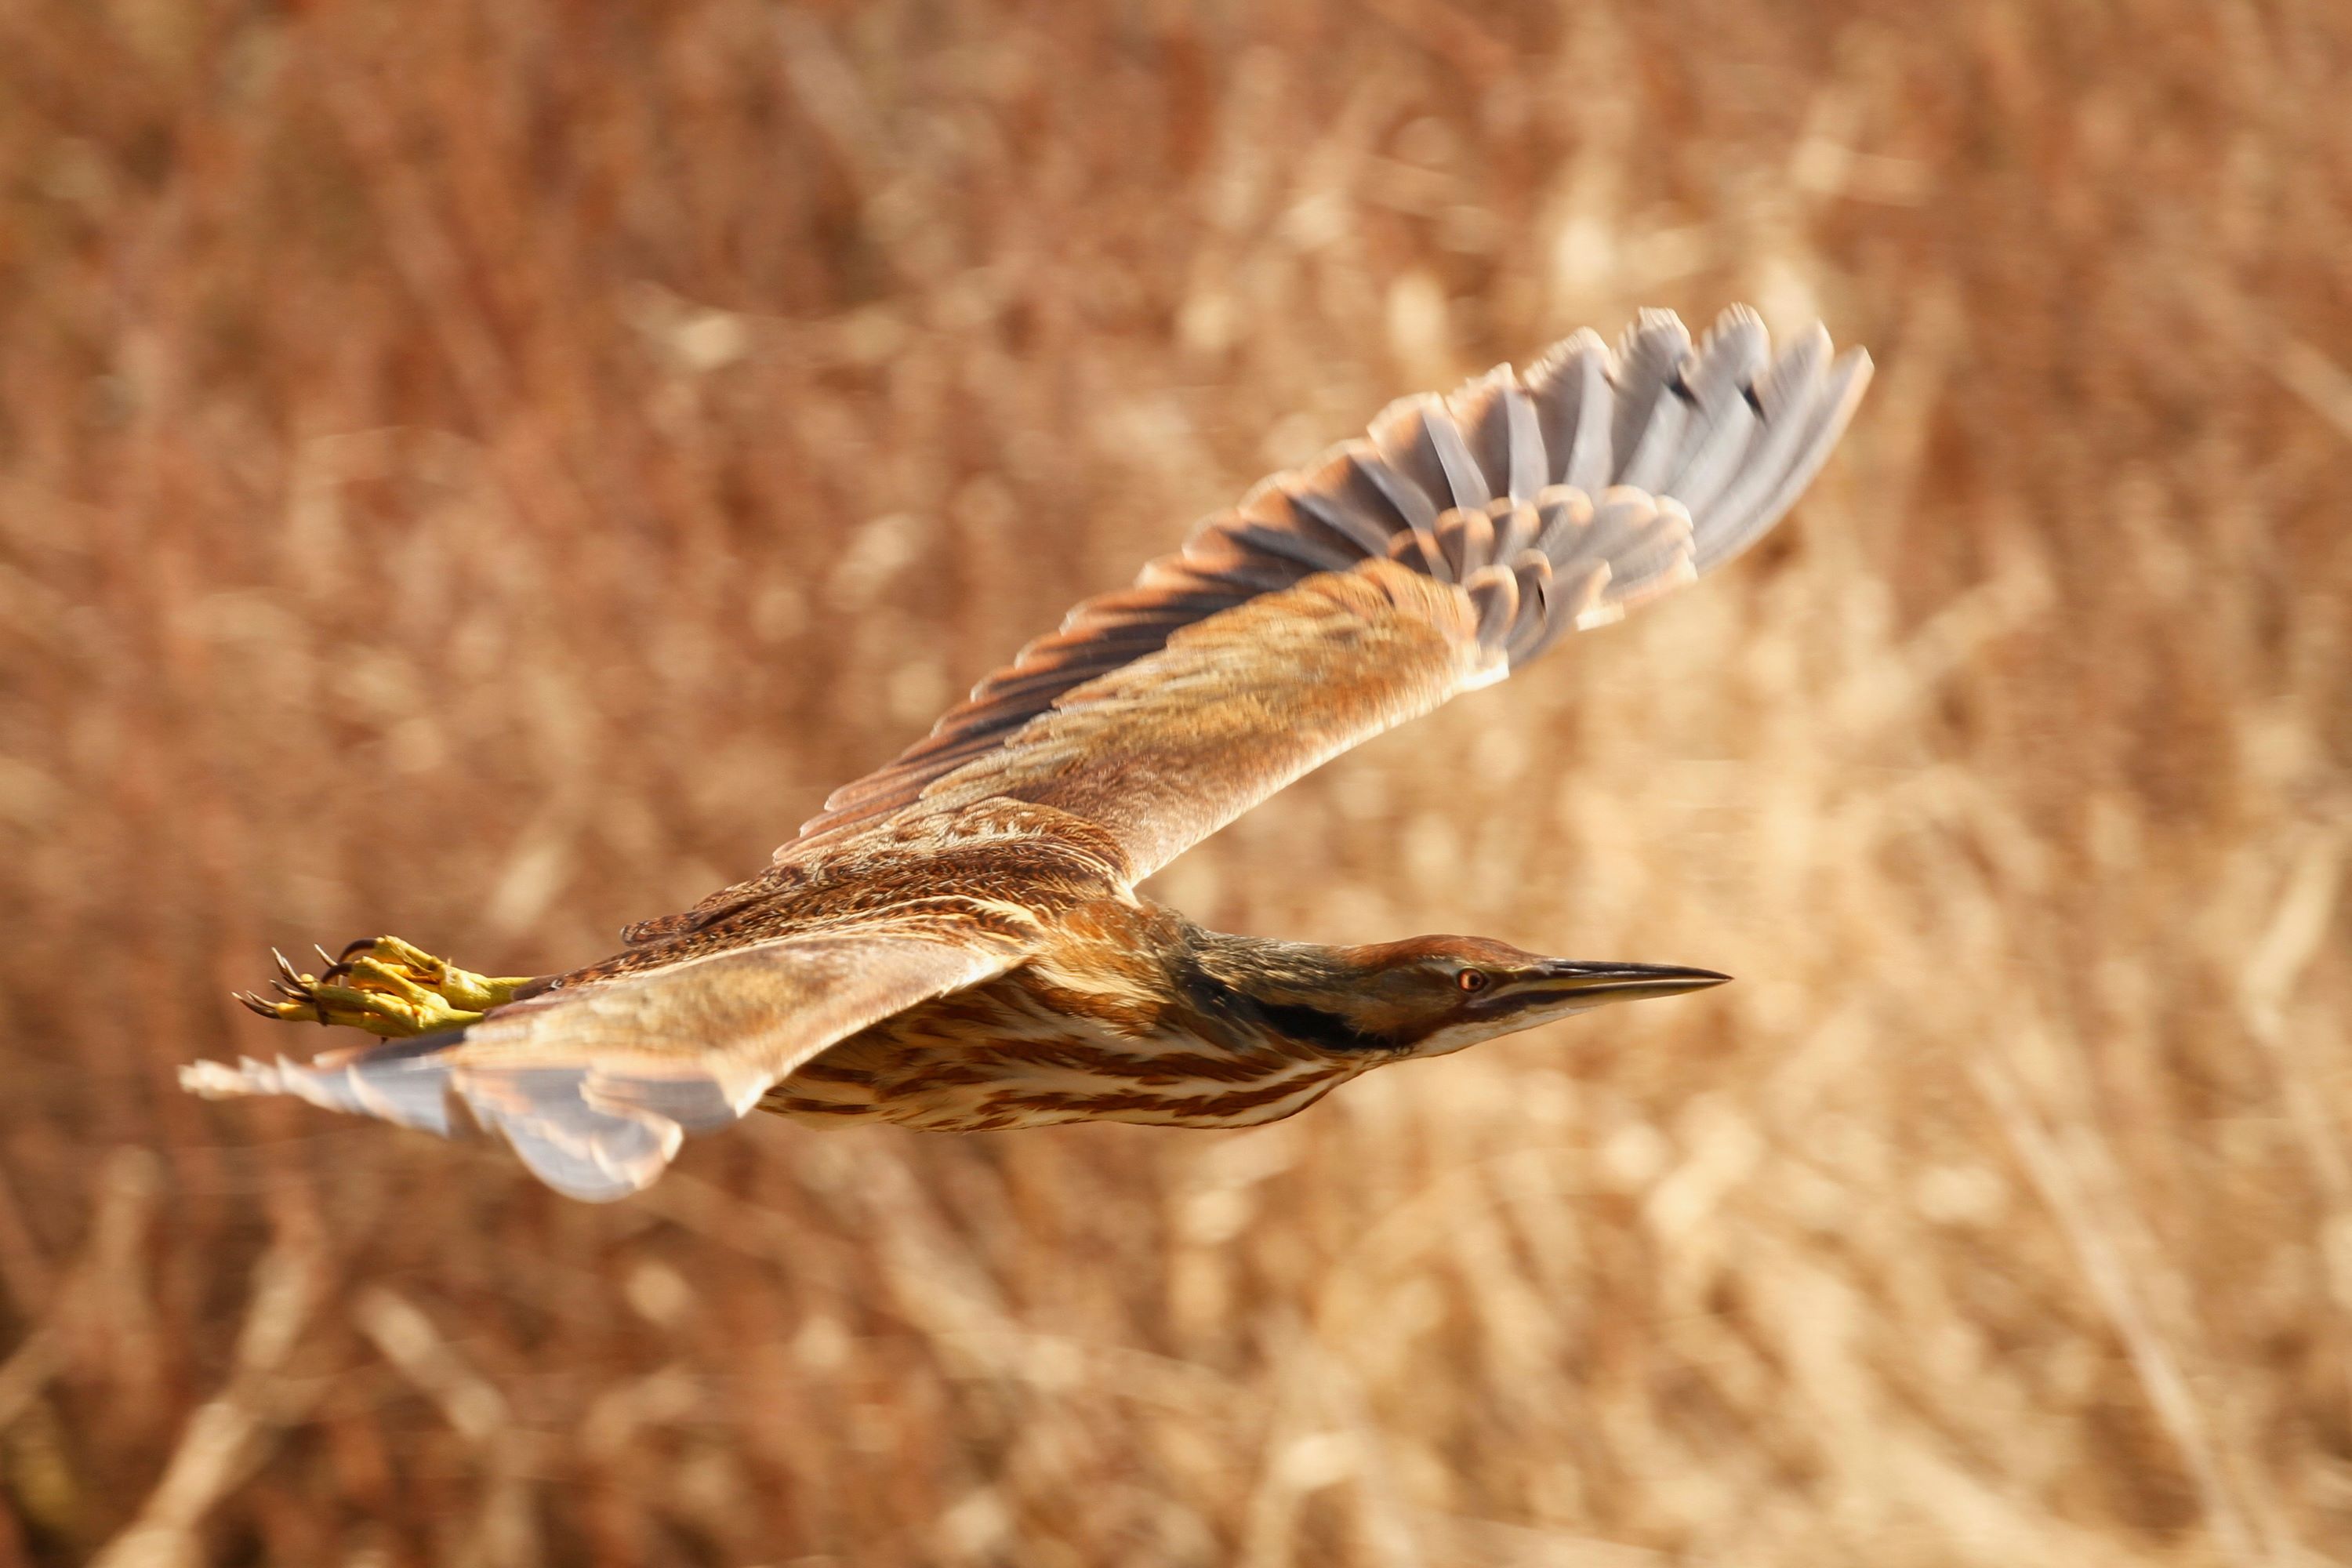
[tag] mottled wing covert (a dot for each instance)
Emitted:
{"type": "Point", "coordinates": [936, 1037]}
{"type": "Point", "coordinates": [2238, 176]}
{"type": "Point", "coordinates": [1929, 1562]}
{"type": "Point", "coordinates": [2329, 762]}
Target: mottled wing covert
{"type": "Point", "coordinates": [1166, 749]}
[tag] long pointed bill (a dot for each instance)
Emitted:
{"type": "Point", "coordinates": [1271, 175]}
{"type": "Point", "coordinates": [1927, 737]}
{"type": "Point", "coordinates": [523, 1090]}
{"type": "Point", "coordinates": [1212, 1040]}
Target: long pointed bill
{"type": "Point", "coordinates": [1593, 984]}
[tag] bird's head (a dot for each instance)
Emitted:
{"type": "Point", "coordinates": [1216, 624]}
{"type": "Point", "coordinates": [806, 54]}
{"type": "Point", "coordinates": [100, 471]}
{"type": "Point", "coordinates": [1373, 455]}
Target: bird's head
{"type": "Point", "coordinates": [1433, 995]}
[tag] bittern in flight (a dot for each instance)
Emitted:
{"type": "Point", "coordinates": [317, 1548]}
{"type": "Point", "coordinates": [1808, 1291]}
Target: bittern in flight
{"type": "Point", "coordinates": [955, 941]}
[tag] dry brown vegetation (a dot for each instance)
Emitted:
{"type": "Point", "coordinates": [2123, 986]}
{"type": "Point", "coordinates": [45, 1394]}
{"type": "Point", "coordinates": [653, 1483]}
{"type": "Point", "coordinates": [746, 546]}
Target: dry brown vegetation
{"type": "Point", "coordinates": [482, 472]}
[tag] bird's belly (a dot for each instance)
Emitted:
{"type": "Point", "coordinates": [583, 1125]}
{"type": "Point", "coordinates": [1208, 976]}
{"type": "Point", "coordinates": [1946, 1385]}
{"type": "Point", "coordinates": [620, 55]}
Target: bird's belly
{"type": "Point", "coordinates": [995, 1058]}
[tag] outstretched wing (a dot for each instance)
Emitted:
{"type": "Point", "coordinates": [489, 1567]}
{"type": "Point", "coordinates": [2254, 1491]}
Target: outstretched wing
{"type": "Point", "coordinates": [1166, 749]}
{"type": "Point", "coordinates": [595, 1088]}
{"type": "Point", "coordinates": [1462, 539]}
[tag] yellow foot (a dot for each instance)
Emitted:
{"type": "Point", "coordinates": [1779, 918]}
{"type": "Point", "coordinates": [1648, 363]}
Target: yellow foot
{"type": "Point", "coordinates": [385, 986]}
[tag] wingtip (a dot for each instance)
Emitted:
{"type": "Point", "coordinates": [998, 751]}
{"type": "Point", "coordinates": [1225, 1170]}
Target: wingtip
{"type": "Point", "coordinates": [1857, 362]}
{"type": "Point", "coordinates": [1737, 316]}
{"type": "Point", "coordinates": [219, 1080]}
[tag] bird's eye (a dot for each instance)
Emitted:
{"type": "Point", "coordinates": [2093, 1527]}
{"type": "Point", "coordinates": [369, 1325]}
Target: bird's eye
{"type": "Point", "coordinates": [1471, 979]}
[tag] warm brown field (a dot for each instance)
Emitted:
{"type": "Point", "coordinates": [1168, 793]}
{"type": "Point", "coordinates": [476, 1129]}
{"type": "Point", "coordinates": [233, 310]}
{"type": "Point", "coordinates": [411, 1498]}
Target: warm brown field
{"type": "Point", "coordinates": [482, 472]}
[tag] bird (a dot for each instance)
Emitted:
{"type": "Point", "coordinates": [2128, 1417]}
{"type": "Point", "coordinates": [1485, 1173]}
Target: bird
{"type": "Point", "coordinates": [955, 941]}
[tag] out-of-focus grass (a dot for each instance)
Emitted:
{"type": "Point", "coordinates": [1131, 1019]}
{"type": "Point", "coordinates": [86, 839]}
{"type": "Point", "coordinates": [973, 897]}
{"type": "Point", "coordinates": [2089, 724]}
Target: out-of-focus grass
{"type": "Point", "coordinates": [482, 472]}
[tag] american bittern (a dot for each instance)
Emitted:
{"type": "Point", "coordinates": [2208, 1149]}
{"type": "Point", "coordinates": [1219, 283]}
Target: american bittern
{"type": "Point", "coordinates": [955, 942]}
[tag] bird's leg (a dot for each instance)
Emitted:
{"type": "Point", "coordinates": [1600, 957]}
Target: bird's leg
{"type": "Point", "coordinates": [458, 988]}
{"type": "Point", "coordinates": [385, 986]}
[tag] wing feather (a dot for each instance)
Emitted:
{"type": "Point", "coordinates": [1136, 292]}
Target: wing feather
{"type": "Point", "coordinates": [1164, 751]}
{"type": "Point", "coordinates": [1543, 504]}
{"type": "Point", "coordinates": [595, 1088]}
{"type": "Point", "coordinates": [1575, 408]}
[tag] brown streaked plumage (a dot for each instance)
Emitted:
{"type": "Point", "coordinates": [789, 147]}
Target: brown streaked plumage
{"type": "Point", "coordinates": [955, 942]}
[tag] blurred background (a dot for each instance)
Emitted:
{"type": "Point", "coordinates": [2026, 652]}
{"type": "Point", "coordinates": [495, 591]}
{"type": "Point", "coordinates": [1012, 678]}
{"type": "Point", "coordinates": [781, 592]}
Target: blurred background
{"type": "Point", "coordinates": [482, 472]}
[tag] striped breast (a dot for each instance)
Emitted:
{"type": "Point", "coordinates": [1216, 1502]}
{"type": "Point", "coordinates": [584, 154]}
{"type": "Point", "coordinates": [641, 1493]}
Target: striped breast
{"type": "Point", "coordinates": [1023, 1051]}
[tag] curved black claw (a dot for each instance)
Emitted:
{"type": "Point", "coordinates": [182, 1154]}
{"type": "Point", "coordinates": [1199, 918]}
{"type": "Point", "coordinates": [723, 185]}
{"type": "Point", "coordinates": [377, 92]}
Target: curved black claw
{"type": "Point", "coordinates": [362, 945]}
